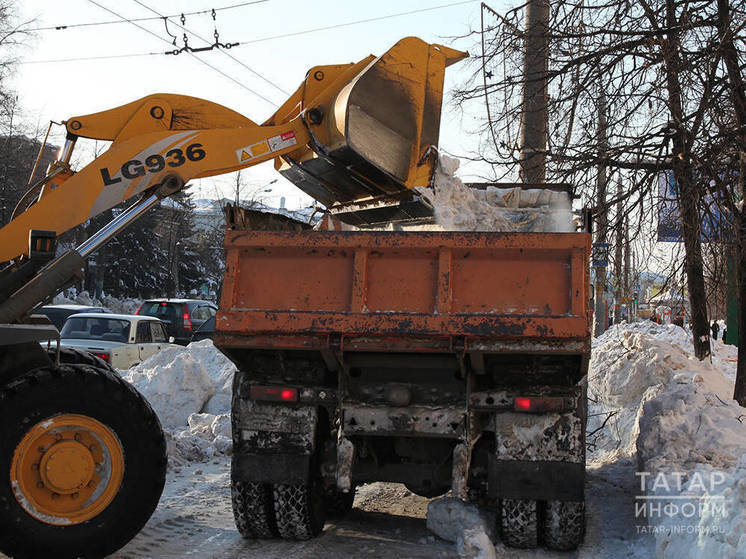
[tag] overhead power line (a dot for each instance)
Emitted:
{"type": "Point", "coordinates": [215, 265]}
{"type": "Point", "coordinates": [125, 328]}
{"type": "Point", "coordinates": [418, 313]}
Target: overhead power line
{"type": "Point", "coordinates": [271, 37]}
{"type": "Point", "coordinates": [229, 55]}
{"type": "Point", "coordinates": [358, 22]}
{"type": "Point", "coordinates": [148, 31]}
{"type": "Point", "coordinates": [116, 21]}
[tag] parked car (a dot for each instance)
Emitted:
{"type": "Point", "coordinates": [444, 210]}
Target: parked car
{"type": "Point", "coordinates": [206, 331]}
{"type": "Point", "coordinates": [57, 314]}
{"type": "Point", "coordinates": [123, 340]}
{"type": "Point", "coordinates": [181, 316]}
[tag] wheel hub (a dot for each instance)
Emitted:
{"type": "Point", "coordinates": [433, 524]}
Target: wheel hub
{"type": "Point", "coordinates": [67, 469]}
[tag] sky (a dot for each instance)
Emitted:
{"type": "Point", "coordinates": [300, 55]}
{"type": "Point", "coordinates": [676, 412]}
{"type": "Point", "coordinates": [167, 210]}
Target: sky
{"type": "Point", "coordinates": [271, 65]}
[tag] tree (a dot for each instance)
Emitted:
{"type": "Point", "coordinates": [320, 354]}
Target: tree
{"type": "Point", "coordinates": [658, 64]}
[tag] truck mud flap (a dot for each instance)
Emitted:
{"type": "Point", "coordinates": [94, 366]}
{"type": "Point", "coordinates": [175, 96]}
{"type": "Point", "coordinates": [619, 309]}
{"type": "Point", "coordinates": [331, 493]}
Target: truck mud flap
{"type": "Point", "coordinates": [544, 481]}
{"type": "Point", "coordinates": [276, 442]}
{"type": "Point", "coordinates": [538, 456]}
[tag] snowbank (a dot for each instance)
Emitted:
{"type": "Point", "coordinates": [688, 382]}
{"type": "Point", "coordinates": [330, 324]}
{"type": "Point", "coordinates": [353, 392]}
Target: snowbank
{"type": "Point", "coordinates": [653, 398]}
{"type": "Point", "coordinates": [190, 390]}
{"type": "Point", "coordinates": [115, 305]}
{"type": "Point", "coordinates": [460, 208]}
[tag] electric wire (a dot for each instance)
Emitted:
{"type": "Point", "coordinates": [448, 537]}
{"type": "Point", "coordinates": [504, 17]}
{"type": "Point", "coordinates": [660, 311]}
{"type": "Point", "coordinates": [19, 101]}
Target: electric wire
{"type": "Point", "coordinates": [269, 38]}
{"type": "Point", "coordinates": [234, 80]}
{"type": "Point", "coordinates": [358, 22]}
{"type": "Point", "coordinates": [226, 53]}
{"type": "Point", "coordinates": [115, 21]}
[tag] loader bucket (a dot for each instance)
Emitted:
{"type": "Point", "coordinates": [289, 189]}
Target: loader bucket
{"type": "Point", "coordinates": [376, 123]}
{"type": "Point", "coordinates": [392, 108]}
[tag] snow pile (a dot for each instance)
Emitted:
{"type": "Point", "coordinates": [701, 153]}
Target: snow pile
{"type": "Point", "coordinates": [653, 397]}
{"type": "Point", "coordinates": [115, 305]}
{"type": "Point", "coordinates": [175, 384]}
{"type": "Point", "coordinates": [460, 208]}
{"type": "Point", "coordinates": [190, 390]}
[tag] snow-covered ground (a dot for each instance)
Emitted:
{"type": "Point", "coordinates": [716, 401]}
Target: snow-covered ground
{"type": "Point", "coordinates": [654, 408]}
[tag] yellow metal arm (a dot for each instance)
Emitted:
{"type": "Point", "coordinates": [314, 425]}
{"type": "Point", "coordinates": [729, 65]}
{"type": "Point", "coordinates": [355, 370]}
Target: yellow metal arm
{"type": "Point", "coordinates": [152, 138]}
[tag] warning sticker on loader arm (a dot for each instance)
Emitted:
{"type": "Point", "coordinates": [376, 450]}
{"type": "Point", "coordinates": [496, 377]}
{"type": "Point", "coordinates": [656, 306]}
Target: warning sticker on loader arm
{"type": "Point", "coordinates": [271, 145]}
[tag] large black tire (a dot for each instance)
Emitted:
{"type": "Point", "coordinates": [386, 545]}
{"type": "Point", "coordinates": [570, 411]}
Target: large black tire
{"type": "Point", "coordinates": [338, 503]}
{"type": "Point", "coordinates": [253, 509]}
{"type": "Point", "coordinates": [564, 524]}
{"type": "Point", "coordinates": [29, 402]}
{"type": "Point", "coordinates": [519, 523]}
{"type": "Point", "coordinates": [72, 356]}
{"type": "Point", "coordinates": [299, 510]}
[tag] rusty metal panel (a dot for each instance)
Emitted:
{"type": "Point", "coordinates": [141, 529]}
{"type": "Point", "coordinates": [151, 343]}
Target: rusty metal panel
{"type": "Point", "coordinates": [401, 281]}
{"type": "Point", "coordinates": [447, 422]}
{"type": "Point", "coordinates": [293, 278]}
{"type": "Point", "coordinates": [511, 281]}
{"type": "Point", "coordinates": [497, 326]}
{"type": "Point", "coordinates": [294, 289]}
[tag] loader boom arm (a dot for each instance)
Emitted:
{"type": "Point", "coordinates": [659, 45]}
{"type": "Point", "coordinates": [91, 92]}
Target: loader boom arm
{"type": "Point", "coordinates": [144, 151]}
{"type": "Point", "coordinates": [349, 132]}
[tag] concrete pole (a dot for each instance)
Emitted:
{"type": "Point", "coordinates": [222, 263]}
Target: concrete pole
{"type": "Point", "coordinates": [599, 312]}
{"type": "Point", "coordinates": [534, 113]}
{"type": "Point", "coordinates": [618, 252]}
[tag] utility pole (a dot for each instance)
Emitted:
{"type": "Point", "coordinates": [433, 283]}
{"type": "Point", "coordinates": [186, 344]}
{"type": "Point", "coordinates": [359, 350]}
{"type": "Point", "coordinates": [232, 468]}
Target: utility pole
{"type": "Point", "coordinates": [534, 114]}
{"type": "Point", "coordinates": [618, 252]}
{"type": "Point", "coordinates": [626, 259]}
{"type": "Point", "coordinates": [599, 312]}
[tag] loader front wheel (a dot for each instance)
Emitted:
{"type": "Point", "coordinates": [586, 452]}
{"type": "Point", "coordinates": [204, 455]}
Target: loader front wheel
{"type": "Point", "coordinates": [82, 462]}
{"type": "Point", "coordinates": [73, 356]}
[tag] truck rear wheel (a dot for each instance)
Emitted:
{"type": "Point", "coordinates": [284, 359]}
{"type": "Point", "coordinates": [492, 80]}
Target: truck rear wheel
{"type": "Point", "coordinates": [338, 503]}
{"type": "Point", "coordinates": [519, 523]}
{"type": "Point", "coordinates": [253, 509]}
{"type": "Point", "coordinates": [299, 510]}
{"type": "Point", "coordinates": [83, 462]}
{"type": "Point", "coordinates": [564, 524]}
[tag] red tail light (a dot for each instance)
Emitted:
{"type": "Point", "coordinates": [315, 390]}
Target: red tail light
{"type": "Point", "coordinates": [104, 356]}
{"type": "Point", "coordinates": [187, 322]}
{"type": "Point", "coordinates": [274, 393]}
{"type": "Point", "coordinates": [540, 404]}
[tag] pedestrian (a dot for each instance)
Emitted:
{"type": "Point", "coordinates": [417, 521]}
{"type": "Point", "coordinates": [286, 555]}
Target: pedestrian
{"type": "Point", "coordinates": [715, 329]}
{"type": "Point", "coordinates": [725, 333]}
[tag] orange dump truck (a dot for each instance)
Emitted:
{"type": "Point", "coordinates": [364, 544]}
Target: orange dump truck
{"type": "Point", "coordinates": [441, 360]}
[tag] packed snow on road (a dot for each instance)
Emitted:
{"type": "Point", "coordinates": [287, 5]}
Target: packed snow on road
{"type": "Point", "coordinates": [666, 465]}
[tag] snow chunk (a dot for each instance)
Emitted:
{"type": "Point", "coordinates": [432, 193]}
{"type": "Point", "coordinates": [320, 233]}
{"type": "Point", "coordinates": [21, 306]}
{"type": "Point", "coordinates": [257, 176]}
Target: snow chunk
{"type": "Point", "coordinates": [449, 517]}
{"type": "Point", "coordinates": [474, 543]}
{"type": "Point", "coordinates": [461, 208]}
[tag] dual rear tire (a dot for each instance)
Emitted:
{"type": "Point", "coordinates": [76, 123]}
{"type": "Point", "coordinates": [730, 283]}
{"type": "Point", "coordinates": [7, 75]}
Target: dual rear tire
{"type": "Point", "coordinates": [525, 523]}
{"type": "Point", "coordinates": [286, 510]}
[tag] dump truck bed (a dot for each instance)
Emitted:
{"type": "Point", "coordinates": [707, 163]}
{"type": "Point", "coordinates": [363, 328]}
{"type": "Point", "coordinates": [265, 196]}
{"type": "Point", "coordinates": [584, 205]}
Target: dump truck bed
{"type": "Point", "coordinates": [406, 291]}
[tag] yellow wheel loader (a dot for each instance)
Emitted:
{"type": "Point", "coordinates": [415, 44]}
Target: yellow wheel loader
{"type": "Point", "coordinates": [82, 454]}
